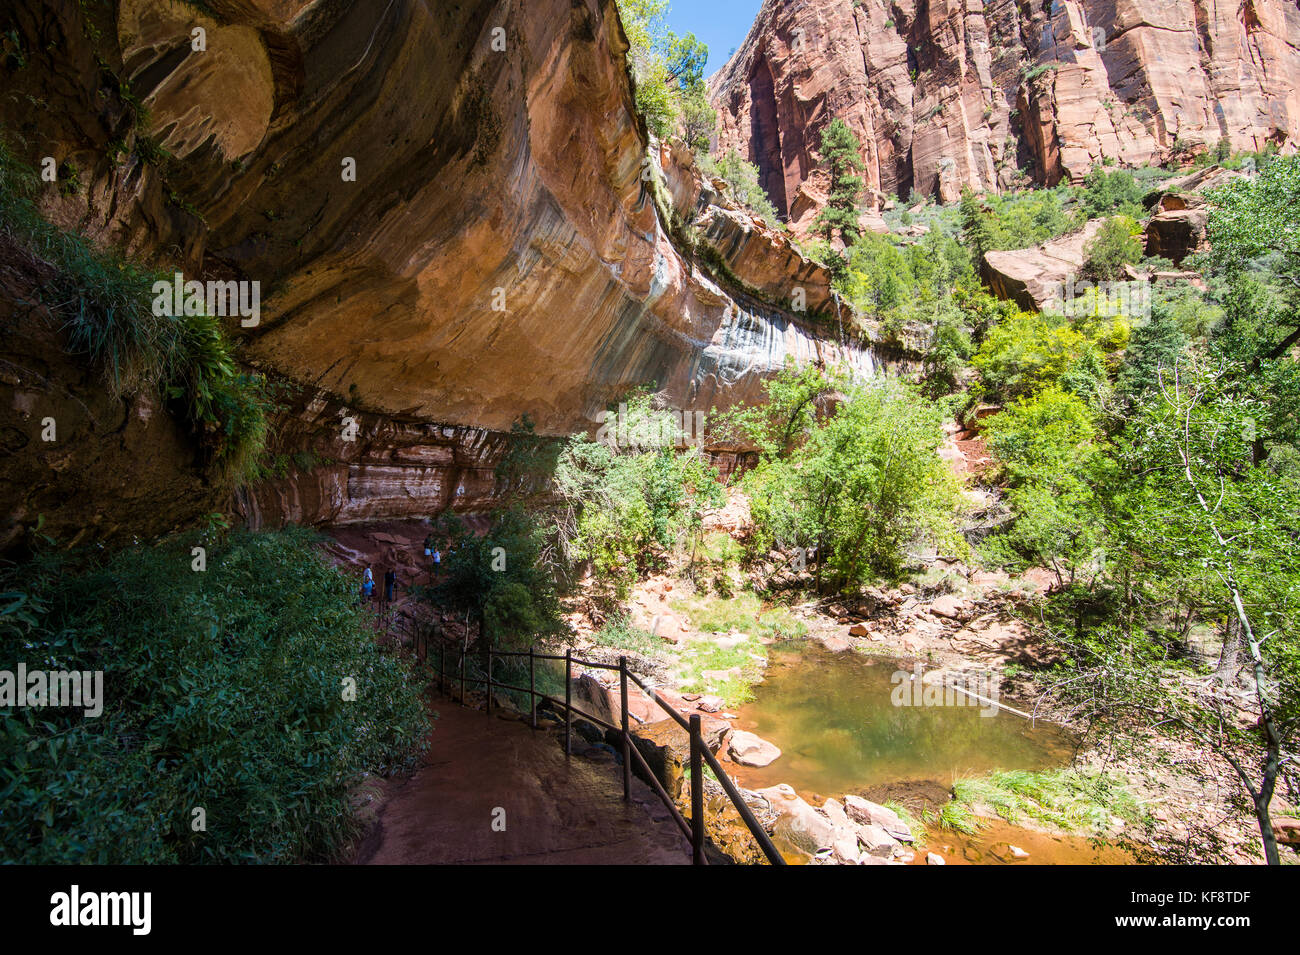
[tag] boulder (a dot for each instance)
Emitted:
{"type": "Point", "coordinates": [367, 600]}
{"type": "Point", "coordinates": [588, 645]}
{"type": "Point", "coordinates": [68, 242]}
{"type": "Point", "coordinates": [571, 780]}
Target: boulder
{"type": "Point", "coordinates": [751, 750]}
{"type": "Point", "coordinates": [948, 605]}
{"type": "Point", "coordinates": [1286, 830]}
{"type": "Point", "coordinates": [864, 812]}
{"type": "Point", "coordinates": [666, 748]}
{"type": "Point", "coordinates": [1034, 277]}
{"type": "Point", "coordinates": [933, 858]}
{"type": "Point", "coordinates": [797, 823]}
{"type": "Point", "coordinates": [845, 850]}
{"type": "Point", "coordinates": [877, 842]}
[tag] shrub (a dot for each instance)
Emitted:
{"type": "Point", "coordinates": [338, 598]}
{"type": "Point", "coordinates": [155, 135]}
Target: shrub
{"type": "Point", "coordinates": [862, 485]}
{"type": "Point", "coordinates": [1111, 193]}
{"type": "Point", "coordinates": [1029, 351]}
{"type": "Point", "coordinates": [742, 176]}
{"type": "Point", "coordinates": [625, 507]}
{"type": "Point", "coordinates": [1116, 244]}
{"type": "Point", "coordinates": [222, 690]}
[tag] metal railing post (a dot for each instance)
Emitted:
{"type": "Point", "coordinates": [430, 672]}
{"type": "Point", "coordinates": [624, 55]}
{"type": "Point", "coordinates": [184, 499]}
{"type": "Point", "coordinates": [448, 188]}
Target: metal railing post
{"type": "Point", "coordinates": [442, 667]}
{"type": "Point", "coordinates": [462, 678]}
{"type": "Point", "coordinates": [697, 792]}
{"type": "Point", "coordinates": [627, 738]}
{"type": "Point", "coordinates": [532, 686]}
{"type": "Point", "coordinates": [489, 678]}
{"type": "Point", "coordinates": [568, 699]}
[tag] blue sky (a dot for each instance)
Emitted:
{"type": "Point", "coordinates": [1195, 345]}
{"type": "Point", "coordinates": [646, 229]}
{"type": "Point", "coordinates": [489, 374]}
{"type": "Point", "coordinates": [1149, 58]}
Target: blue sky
{"type": "Point", "coordinates": [721, 24]}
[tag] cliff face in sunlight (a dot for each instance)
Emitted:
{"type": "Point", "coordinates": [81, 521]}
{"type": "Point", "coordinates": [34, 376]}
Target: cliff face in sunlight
{"type": "Point", "coordinates": [497, 252]}
{"type": "Point", "coordinates": [949, 93]}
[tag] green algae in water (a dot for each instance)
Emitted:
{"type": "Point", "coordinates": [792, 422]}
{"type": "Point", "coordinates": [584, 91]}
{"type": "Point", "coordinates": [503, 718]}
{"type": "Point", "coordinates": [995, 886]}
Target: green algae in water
{"type": "Point", "coordinates": [838, 730]}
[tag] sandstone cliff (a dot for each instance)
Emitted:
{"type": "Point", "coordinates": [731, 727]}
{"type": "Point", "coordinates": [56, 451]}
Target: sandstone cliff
{"type": "Point", "coordinates": [964, 92]}
{"type": "Point", "coordinates": [498, 251]}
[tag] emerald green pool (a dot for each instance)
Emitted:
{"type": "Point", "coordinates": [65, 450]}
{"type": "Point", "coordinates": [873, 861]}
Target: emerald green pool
{"type": "Point", "coordinates": [839, 730]}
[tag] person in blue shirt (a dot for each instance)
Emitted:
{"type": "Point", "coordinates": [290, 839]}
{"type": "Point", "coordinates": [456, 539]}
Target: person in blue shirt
{"type": "Point", "coordinates": [367, 585]}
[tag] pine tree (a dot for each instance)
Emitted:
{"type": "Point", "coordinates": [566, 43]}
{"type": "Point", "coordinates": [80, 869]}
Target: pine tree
{"type": "Point", "coordinates": [843, 152]}
{"type": "Point", "coordinates": [976, 227]}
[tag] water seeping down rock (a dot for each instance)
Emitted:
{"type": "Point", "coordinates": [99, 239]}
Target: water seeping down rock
{"type": "Point", "coordinates": [499, 251]}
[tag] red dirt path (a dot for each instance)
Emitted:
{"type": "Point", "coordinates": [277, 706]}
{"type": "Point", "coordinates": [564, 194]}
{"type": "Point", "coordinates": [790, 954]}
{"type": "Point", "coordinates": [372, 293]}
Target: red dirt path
{"type": "Point", "coordinates": [557, 810]}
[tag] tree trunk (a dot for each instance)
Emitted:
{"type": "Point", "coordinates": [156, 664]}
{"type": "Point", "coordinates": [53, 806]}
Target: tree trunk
{"type": "Point", "coordinates": [1225, 671]}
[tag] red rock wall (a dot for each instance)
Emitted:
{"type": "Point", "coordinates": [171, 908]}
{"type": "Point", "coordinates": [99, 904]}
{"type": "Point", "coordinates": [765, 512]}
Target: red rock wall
{"type": "Point", "coordinates": [949, 93]}
{"type": "Point", "coordinates": [498, 252]}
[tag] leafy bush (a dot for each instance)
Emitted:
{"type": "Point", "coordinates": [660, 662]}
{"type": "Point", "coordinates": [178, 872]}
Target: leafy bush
{"type": "Point", "coordinates": [860, 484]}
{"type": "Point", "coordinates": [223, 689]}
{"type": "Point", "coordinates": [1117, 243]}
{"type": "Point", "coordinates": [742, 176]}
{"type": "Point", "coordinates": [1013, 221]}
{"type": "Point", "coordinates": [626, 506]}
{"type": "Point", "coordinates": [1115, 192]}
{"type": "Point", "coordinates": [502, 576]}
{"type": "Point", "coordinates": [1045, 445]}
{"type": "Point", "coordinates": [1031, 350]}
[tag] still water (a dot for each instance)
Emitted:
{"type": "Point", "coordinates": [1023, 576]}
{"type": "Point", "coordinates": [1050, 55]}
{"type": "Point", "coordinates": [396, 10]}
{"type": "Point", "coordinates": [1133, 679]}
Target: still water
{"type": "Point", "coordinates": [839, 731]}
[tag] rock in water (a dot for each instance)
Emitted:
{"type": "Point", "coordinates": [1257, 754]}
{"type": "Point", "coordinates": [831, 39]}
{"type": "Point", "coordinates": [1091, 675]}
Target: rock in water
{"type": "Point", "coordinates": [750, 750]}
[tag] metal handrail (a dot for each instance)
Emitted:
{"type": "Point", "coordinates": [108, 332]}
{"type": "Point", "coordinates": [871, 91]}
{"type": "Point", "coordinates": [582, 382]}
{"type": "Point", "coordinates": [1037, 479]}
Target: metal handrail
{"type": "Point", "coordinates": [699, 752]}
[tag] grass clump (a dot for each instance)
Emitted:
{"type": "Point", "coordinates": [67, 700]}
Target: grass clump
{"type": "Point", "coordinates": [1063, 798]}
{"type": "Point", "coordinates": [225, 689]}
{"type": "Point", "coordinates": [745, 660]}
{"type": "Point", "coordinates": [105, 302]}
{"type": "Point", "coordinates": [618, 633]}
{"type": "Point", "coordinates": [953, 816]}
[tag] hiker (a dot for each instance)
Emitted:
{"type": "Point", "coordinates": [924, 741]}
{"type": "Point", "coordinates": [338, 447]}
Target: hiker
{"type": "Point", "coordinates": [437, 560]}
{"type": "Point", "coordinates": [367, 585]}
{"type": "Point", "coordinates": [390, 581]}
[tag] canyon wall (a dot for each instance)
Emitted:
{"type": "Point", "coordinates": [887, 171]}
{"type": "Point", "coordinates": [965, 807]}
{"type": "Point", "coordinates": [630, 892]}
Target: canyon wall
{"type": "Point", "coordinates": [450, 210]}
{"type": "Point", "coordinates": [947, 93]}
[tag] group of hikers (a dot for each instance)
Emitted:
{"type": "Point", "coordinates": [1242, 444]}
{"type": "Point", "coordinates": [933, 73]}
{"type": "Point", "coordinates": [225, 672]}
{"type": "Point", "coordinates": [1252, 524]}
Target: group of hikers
{"type": "Point", "coordinates": [432, 550]}
{"type": "Point", "coordinates": [368, 585]}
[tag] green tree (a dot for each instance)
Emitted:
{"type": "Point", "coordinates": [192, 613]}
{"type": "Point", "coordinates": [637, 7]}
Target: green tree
{"type": "Point", "coordinates": [742, 176]}
{"type": "Point", "coordinates": [842, 151]}
{"type": "Point", "coordinates": [859, 483]}
{"type": "Point", "coordinates": [668, 69]}
{"type": "Point", "coordinates": [1116, 244]}
{"type": "Point", "coordinates": [1252, 227]}
{"type": "Point", "coordinates": [632, 495]}
{"type": "Point", "coordinates": [1045, 445]}
{"type": "Point", "coordinates": [699, 119]}
{"type": "Point", "coordinates": [1200, 512]}
{"type": "Point", "coordinates": [977, 227]}
{"type": "Point", "coordinates": [1108, 193]}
